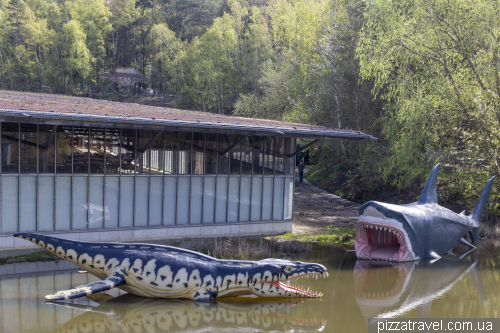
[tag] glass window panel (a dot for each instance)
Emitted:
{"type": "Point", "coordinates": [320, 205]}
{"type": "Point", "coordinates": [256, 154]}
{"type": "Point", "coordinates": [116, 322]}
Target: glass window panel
{"type": "Point", "coordinates": [127, 151]}
{"type": "Point", "coordinates": [96, 204]}
{"type": "Point", "coordinates": [111, 197]}
{"type": "Point", "coordinates": [256, 198]}
{"type": "Point", "coordinates": [126, 201]}
{"type": "Point", "coordinates": [184, 160]}
{"type": "Point", "coordinates": [142, 160]}
{"type": "Point", "coordinates": [156, 152]}
{"type": "Point", "coordinates": [171, 152]}
{"type": "Point", "coordinates": [141, 201]}
{"type": "Point", "coordinates": [112, 151]}
{"type": "Point", "coordinates": [235, 155]}
{"type": "Point", "coordinates": [223, 159]}
{"type": "Point", "coordinates": [209, 200]}
{"type": "Point", "coordinates": [80, 203]}
{"type": "Point", "coordinates": [169, 200]}
{"type": "Point", "coordinates": [258, 154]}
{"type": "Point", "coordinates": [63, 202]}
{"type": "Point", "coordinates": [196, 200]}
{"type": "Point", "coordinates": [267, 200]}
{"type": "Point", "coordinates": [211, 153]}
{"type": "Point", "coordinates": [233, 202]}
{"type": "Point", "coordinates": [198, 141]}
{"type": "Point", "coordinates": [245, 199]}
{"type": "Point", "coordinates": [64, 143]}
{"type": "Point", "coordinates": [246, 156]}
{"type": "Point", "coordinates": [291, 160]}
{"type": "Point", "coordinates": [221, 205]}
{"type": "Point", "coordinates": [46, 203]}
{"type": "Point", "coordinates": [28, 148]}
{"type": "Point", "coordinates": [288, 209]}
{"type": "Point", "coordinates": [97, 136]}
{"type": "Point", "coordinates": [10, 201]}
{"type": "Point", "coordinates": [10, 147]}
{"type": "Point", "coordinates": [183, 200]}
{"type": "Point", "coordinates": [280, 156]}
{"type": "Point", "coordinates": [278, 199]}
{"type": "Point", "coordinates": [269, 157]}
{"type": "Point", "coordinates": [28, 203]}
{"type": "Point", "coordinates": [155, 200]}
{"type": "Point", "coordinates": [80, 149]}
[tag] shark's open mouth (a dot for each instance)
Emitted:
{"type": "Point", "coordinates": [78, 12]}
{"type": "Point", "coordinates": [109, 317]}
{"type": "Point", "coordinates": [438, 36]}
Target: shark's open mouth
{"type": "Point", "coordinates": [379, 239]}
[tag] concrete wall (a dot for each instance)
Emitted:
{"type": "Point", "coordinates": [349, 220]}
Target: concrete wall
{"type": "Point", "coordinates": [143, 235]}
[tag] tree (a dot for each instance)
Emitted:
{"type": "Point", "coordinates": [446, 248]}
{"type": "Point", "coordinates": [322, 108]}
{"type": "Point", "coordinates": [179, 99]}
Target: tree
{"type": "Point", "coordinates": [436, 64]}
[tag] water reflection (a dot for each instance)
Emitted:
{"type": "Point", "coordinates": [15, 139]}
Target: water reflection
{"type": "Point", "coordinates": [388, 290]}
{"type": "Point", "coordinates": [128, 313]}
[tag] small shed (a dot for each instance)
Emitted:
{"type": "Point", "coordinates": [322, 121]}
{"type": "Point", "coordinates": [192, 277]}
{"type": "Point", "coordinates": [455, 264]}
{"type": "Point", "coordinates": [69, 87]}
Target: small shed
{"type": "Point", "coordinates": [95, 170]}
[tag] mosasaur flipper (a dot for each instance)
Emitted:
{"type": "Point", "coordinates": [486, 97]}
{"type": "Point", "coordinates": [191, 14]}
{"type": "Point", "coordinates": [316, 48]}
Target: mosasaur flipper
{"type": "Point", "coordinates": [169, 272]}
{"type": "Point", "coordinates": [419, 230]}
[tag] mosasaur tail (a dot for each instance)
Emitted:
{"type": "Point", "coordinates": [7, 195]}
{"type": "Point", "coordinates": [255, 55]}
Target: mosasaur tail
{"type": "Point", "coordinates": [481, 204]}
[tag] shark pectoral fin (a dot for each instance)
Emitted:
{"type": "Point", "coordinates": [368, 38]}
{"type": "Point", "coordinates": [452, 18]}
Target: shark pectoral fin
{"type": "Point", "coordinates": [474, 235]}
{"type": "Point", "coordinates": [435, 256]}
{"type": "Point", "coordinates": [114, 280]}
{"type": "Point", "coordinates": [464, 242]}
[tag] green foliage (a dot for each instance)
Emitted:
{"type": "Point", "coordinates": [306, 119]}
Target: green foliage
{"type": "Point", "coordinates": [435, 63]}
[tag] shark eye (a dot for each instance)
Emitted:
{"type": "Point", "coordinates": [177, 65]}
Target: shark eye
{"type": "Point", "coordinates": [288, 269]}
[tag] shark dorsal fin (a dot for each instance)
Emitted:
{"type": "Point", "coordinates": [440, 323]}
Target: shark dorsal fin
{"type": "Point", "coordinates": [429, 194]}
{"type": "Point", "coordinates": [481, 204]}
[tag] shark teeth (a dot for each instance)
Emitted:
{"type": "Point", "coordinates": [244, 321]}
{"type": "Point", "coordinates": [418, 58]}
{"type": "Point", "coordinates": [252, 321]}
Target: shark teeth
{"type": "Point", "coordinates": [380, 234]}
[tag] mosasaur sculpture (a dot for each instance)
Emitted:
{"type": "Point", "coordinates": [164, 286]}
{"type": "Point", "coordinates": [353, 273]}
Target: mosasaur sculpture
{"type": "Point", "coordinates": [150, 270]}
{"type": "Point", "coordinates": [415, 231]}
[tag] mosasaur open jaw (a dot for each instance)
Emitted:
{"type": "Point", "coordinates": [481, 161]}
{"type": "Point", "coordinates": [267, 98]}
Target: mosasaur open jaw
{"type": "Point", "coordinates": [169, 272]}
{"type": "Point", "coordinates": [415, 231]}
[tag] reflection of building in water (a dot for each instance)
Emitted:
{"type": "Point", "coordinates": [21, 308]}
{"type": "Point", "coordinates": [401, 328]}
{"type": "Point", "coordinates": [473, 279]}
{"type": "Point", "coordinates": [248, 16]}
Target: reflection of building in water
{"type": "Point", "coordinates": [389, 290]}
{"type": "Point", "coordinates": [129, 313]}
{"type": "Point", "coordinates": [99, 170]}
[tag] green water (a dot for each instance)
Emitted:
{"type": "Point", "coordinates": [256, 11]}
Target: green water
{"type": "Point", "coordinates": [452, 287]}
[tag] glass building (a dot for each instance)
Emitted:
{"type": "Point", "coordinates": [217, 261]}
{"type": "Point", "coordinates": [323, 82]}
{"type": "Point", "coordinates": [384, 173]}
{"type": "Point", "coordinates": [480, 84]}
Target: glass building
{"type": "Point", "coordinates": [98, 177]}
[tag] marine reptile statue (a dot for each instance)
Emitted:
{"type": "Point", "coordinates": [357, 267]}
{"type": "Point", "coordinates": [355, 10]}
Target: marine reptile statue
{"type": "Point", "coordinates": [128, 313]}
{"type": "Point", "coordinates": [169, 272]}
{"type": "Point", "coordinates": [415, 231]}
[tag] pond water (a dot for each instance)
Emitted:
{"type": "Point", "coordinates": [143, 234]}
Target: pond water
{"type": "Point", "coordinates": [453, 287]}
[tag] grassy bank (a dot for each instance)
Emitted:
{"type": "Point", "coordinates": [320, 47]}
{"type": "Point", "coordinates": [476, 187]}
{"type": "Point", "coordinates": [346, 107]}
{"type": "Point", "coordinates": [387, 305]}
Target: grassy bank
{"type": "Point", "coordinates": [35, 256]}
{"type": "Point", "coordinates": [342, 236]}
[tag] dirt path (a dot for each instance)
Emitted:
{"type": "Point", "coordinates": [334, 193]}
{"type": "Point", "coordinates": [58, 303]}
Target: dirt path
{"type": "Point", "coordinates": [315, 209]}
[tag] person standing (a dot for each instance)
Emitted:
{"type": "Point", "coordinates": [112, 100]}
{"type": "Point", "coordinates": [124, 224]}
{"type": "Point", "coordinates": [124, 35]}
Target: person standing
{"type": "Point", "coordinates": [301, 170]}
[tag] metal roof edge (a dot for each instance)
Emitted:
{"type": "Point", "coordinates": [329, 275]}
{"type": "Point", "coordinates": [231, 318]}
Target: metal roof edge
{"type": "Point", "coordinates": [275, 130]}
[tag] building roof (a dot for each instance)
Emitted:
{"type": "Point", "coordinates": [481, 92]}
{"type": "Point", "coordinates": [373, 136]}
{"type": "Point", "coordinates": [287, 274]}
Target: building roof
{"type": "Point", "coordinates": [50, 107]}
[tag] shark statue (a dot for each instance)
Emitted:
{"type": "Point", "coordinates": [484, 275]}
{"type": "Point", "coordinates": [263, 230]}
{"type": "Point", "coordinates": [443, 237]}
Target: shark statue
{"type": "Point", "coordinates": [391, 290]}
{"type": "Point", "coordinates": [415, 231]}
{"type": "Point", "coordinates": [169, 272]}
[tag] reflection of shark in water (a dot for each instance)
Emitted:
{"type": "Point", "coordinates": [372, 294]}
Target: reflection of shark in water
{"type": "Point", "coordinates": [389, 290]}
{"type": "Point", "coordinates": [130, 313]}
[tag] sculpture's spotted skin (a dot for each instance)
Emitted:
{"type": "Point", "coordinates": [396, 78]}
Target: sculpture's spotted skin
{"type": "Point", "coordinates": [169, 272]}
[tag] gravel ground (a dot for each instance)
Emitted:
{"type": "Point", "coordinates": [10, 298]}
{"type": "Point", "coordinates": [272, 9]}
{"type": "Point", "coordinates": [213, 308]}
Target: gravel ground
{"type": "Point", "coordinates": [315, 209]}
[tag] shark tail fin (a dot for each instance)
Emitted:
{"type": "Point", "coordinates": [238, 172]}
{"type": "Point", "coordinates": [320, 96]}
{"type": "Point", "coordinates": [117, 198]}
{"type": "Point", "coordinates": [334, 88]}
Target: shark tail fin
{"type": "Point", "coordinates": [429, 194]}
{"type": "Point", "coordinates": [481, 204]}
